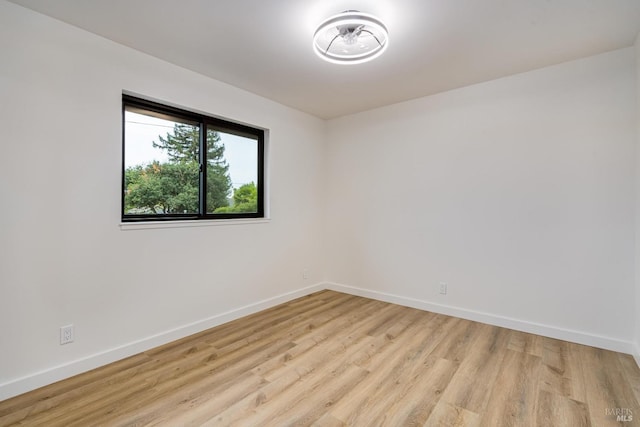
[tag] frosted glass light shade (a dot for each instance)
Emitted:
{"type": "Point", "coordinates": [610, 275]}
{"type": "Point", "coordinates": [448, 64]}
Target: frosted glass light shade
{"type": "Point", "coordinates": [350, 37]}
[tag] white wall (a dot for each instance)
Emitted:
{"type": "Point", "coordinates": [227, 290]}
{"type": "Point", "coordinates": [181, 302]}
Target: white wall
{"type": "Point", "coordinates": [637, 335]}
{"type": "Point", "coordinates": [64, 258]}
{"type": "Point", "coordinates": [518, 193]}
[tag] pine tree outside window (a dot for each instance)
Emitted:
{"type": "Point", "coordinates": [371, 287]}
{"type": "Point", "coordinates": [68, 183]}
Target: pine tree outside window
{"type": "Point", "coordinates": [179, 165]}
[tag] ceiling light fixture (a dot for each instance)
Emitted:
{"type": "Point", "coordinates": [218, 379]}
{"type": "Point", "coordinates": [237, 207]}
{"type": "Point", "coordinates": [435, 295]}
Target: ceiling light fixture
{"type": "Point", "coordinates": [351, 37]}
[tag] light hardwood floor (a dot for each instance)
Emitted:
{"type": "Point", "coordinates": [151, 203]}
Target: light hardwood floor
{"type": "Point", "coordinates": [331, 359]}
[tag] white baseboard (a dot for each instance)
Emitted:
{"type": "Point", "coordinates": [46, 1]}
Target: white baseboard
{"type": "Point", "coordinates": [47, 376]}
{"type": "Point", "coordinates": [30, 382]}
{"type": "Point", "coordinates": [492, 319]}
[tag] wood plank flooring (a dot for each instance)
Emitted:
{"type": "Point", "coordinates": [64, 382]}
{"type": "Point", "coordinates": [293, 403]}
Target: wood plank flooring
{"type": "Point", "coordinates": [331, 359]}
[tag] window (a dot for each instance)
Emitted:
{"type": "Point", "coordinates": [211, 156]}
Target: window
{"type": "Point", "coordinates": [179, 165]}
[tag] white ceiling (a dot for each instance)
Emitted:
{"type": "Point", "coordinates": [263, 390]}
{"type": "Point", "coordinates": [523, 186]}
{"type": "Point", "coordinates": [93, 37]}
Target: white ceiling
{"type": "Point", "coordinates": [264, 46]}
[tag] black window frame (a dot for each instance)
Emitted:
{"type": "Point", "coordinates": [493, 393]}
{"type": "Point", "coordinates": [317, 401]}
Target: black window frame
{"type": "Point", "coordinates": [203, 121]}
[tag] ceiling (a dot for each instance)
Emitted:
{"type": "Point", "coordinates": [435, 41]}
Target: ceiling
{"type": "Point", "coordinates": [265, 46]}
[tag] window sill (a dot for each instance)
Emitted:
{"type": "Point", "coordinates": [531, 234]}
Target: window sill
{"type": "Point", "coordinates": [150, 225]}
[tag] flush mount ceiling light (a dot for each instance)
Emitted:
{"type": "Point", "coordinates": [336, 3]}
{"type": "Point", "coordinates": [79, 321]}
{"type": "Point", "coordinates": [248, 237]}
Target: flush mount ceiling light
{"type": "Point", "coordinates": [350, 37]}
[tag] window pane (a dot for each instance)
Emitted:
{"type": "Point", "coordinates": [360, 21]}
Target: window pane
{"type": "Point", "coordinates": [166, 177]}
{"type": "Point", "coordinates": [161, 164]}
{"type": "Point", "coordinates": [232, 173]}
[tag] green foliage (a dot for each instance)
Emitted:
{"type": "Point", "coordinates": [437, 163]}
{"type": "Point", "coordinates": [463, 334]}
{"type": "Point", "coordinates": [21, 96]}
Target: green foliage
{"type": "Point", "coordinates": [162, 188]}
{"type": "Point", "coordinates": [247, 193]}
{"type": "Point", "coordinates": [173, 186]}
{"type": "Point", "coordinates": [218, 180]}
{"type": "Point", "coordinates": [183, 144]}
{"type": "Point", "coordinates": [245, 199]}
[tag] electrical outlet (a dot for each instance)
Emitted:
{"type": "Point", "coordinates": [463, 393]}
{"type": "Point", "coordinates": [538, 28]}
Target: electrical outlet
{"type": "Point", "coordinates": [443, 288]}
{"type": "Point", "coordinates": [66, 334]}
{"type": "Point", "coordinates": [305, 274]}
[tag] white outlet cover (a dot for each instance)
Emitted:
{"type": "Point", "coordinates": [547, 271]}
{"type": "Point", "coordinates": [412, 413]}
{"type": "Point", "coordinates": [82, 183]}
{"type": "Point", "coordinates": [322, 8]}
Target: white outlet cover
{"type": "Point", "coordinates": [66, 334]}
